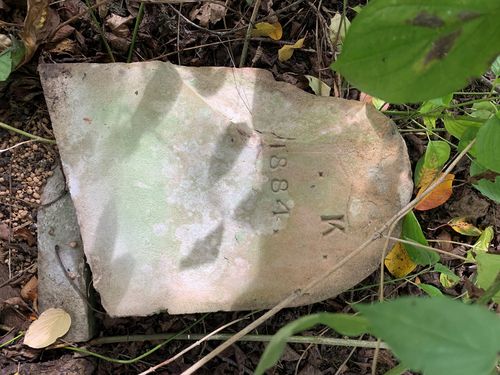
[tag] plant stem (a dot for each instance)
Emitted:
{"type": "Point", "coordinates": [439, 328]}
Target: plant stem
{"type": "Point", "coordinates": [138, 358]}
{"type": "Point", "coordinates": [248, 338]}
{"type": "Point", "coordinates": [138, 21]}
{"type": "Point", "coordinates": [21, 132]}
{"type": "Point", "coordinates": [100, 31]}
{"type": "Point", "coordinates": [4, 344]}
{"type": "Point", "coordinates": [249, 33]}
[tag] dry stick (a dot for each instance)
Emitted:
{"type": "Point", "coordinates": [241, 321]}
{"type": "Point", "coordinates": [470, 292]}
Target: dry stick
{"type": "Point", "coordinates": [416, 244]}
{"type": "Point", "coordinates": [419, 198]}
{"type": "Point", "coordinates": [21, 132]}
{"type": "Point", "coordinates": [249, 33]}
{"type": "Point", "coordinates": [15, 146]}
{"type": "Point", "coordinates": [284, 303]}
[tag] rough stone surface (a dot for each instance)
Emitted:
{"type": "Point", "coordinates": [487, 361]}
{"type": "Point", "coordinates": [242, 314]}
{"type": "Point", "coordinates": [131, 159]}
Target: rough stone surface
{"type": "Point", "coordinates": [203, 189]}
{"type": "Point", "coordinates": [58, 226]}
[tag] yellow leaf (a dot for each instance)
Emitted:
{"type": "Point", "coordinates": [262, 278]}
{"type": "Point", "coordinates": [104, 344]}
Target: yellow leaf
{"type": "Point", "coordinates": [460, 225]}
{"type": "Point", "coordinates": [427, 175]}
{"type": "Point", "coordinates": [50, 325]}
{"type": "Point", "coordinates": [286, 52]}
{"type": "Point", "coordinates": [438, 196]}
{"type": "Point", "coordinates": [319, 87]}
{"type": "Point", "coordinates": [272, 30]}
{"type": "Point", "coordinates": [398, 262]}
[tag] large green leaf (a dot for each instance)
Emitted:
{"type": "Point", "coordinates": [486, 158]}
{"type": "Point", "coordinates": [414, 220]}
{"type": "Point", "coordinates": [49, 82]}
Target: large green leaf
{"type": "Point", "coordinates": [491, 189]}
{"type": "Point", "coordinates": [437, 336]}
{"type": "Point", "coordinates": [488, 143]}
{"type": "Point", "coordinates": [345, 324]}
{"type": "Point", "coordinates": [457, 127]}
{"type": "Point", "coordinates": [413, 232]}
{"type": "Point", "coordinates": [488, 267]}
{"type": "Point", "coordinates": [413, 50]}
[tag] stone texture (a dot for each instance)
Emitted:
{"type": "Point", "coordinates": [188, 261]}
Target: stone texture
{"type": "Point", "coordinates": [203, 189]}
{"type": "Point", "coordinates": [58, 226]}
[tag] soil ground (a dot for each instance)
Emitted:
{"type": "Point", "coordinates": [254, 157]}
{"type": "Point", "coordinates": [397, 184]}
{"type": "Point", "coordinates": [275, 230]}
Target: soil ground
{"type": "Point", "coordinates": [192, 34]}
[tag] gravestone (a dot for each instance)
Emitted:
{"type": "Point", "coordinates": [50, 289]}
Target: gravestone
{"type": "Point", "coordinates": [204, 189]}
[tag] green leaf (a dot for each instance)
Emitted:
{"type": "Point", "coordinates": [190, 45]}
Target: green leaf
{"type": "Point", "coordinates": [435, 107]}
{"type": "Point", "coordinates": [488, 267]}
{"type": "Point", "coordinates": [413, 232]}
{"type": "Point", "coordinates": [431, 290]}
{"type": "Point", "coordinates": [5, 64]}
{"type": "Point", "coordinates": [483, 242]}
{"type": "Point", "coordinates": [458, 127]}
{"type": "Point", "coordinates": [495, 67]}
{"type": "Point", "coordinates": [447, 277]}
{"type": "Point", "coordinates": [467, 138]}
{"type": "Point", "coordinates": [436, 155]}
{"type": "Point", "coordinates": [488, 142]}
{"type": "Point", "coordinates": [11, 58]}
{"type": "Point", "coordinates": [488, 188]}
{"type": "Point", "coordinates": [413, 50]}
{"type": "Point", "coordinates": [398, 370]}
{"type": "Point", "coordinates": [437, 336]}
{"type": "Point", "coordinates": [483, 110]}
{"type": "Point", "coordinates": [345, 324]}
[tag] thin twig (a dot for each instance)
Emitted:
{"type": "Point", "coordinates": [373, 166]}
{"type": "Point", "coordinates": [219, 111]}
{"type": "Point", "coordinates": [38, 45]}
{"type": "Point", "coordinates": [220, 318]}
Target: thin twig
{"type": "Point", "coordinates": [416, 244]}
{"type": "Point", "coordinates": [249, 33]}
{"type": "Point", "coordinates": [293, 296]}
{"type": "Point", "coordinates": [15, 146]}
{"type": "Point", "coordinates": [194, 345]}
{"type": "Point", "coordinates": [21, 132]}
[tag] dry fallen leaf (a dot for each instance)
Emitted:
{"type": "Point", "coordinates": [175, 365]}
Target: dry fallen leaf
{"type": "Point", "coordinates": [208, 13]}
{"type": "Point", "coordinates": [272, 30]}
{"type": "Point", "coordinates": [398, 263]}
{"type": "Point", "coordinates": [119, 25]}
{"type": "Point", "coordinates": [30, 290]}
{"type": "Point", "coordinates": [286, 52]}
{"type": "Point", "coordinates": [438, 196]}
{"type": "Point", "coordinates": [4, 232]}
{"type": "Point", "coordinates": [50, 325]}
{"type": "Point", "coordinates": [25, 235]}
{"type": "Point", "coordinates": [460, 225]}
{"type": "Point", "coordinates": [40, 21]}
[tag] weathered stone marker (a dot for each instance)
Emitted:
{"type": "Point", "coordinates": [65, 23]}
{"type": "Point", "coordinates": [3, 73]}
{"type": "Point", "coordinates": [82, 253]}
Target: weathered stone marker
{"type": "Point", "coordinates": [203, 189]}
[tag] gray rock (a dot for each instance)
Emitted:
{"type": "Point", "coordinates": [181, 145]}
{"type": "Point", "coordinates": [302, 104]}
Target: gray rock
{"type": "Point", "coordinates": [58, 227]}
{"type": "Point", "coordinates": [203, 189]}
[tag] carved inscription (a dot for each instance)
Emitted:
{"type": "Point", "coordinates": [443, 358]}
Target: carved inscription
{"type": "Point", "coordinates": [279, 186]}
{"type": "Point", "coordinates": [334, 222]}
